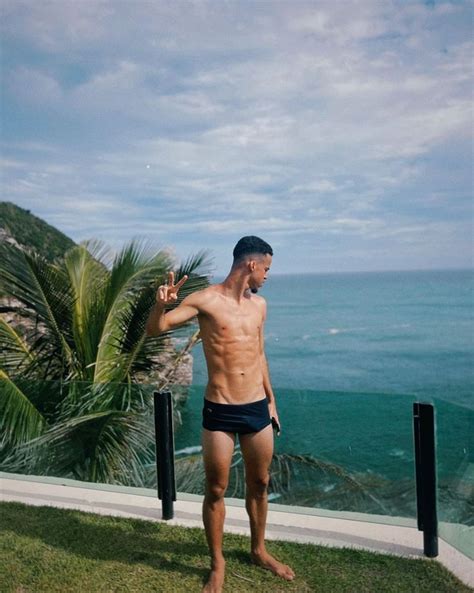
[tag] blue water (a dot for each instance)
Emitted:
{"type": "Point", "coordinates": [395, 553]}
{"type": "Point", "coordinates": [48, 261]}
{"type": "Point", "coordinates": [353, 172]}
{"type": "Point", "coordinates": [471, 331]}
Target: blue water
{"type": "Point", "coordinates": [348, 356]}
{"type": "Point", "coordinates": [360, 431]}
{"type": "Point", "coordinates": [392, 332]}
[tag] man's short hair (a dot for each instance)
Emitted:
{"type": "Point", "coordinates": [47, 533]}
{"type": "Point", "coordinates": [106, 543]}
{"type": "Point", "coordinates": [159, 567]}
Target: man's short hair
{"type": "Point", "coordinates": [250, 245]}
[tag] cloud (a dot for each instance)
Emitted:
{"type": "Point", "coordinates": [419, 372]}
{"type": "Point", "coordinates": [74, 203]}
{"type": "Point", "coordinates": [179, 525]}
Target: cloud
{"type": "Point", "coordinates": [206, 119]}
{"type": "Point", "coordinates": [56, 25]}
{"type": "Point", "coordinates": [35, 87]}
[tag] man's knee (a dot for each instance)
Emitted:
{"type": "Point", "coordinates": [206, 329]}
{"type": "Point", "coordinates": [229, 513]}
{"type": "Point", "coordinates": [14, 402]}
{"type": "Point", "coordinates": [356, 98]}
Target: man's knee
{"type": "Point", "coordinates": [215, 490]}
{"type": "Point", "coordinates": [258, 485]}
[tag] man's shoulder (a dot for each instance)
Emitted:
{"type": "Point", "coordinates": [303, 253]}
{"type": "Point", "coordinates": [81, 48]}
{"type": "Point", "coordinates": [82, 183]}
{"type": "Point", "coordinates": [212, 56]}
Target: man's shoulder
{"type": "Point", "coordinates": [201, 296]}
{"type": "Point", "coordinates": [259, 301]}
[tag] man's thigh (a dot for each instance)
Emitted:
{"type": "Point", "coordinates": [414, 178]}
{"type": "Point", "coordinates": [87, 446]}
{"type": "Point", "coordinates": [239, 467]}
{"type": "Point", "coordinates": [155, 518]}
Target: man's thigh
{"type": "Point", "coordinates": [217, 450]}
{"type": "Point", "coordinates": [257, 452]}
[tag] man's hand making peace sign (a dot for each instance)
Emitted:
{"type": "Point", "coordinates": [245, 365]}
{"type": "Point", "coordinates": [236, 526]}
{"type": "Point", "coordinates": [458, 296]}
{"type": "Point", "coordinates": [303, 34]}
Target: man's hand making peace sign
{"type": "Point", "coordinates": [168, 293]}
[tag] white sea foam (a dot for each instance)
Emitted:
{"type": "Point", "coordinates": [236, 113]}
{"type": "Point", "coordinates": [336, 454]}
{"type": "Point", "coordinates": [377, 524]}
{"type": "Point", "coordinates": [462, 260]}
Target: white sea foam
{"type": "Point", "coordinates": [189, 450]}
{"type": "Point", "coordinates": [273, 496]}
{"type": "Point", "coordinates": [179, 341]}
{"type": "Point", "coordinates": [339, 330]}
{"type": "Point", "coordinates": [397, 453]}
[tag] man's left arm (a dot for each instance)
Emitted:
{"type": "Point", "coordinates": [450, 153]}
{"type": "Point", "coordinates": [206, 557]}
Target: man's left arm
{"type": "Point", "coordinates": [267, 386]}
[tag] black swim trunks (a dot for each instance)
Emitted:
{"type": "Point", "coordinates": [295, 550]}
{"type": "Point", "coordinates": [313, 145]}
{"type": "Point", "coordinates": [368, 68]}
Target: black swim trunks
{"type": "Point", "coordinates": [241, 418]}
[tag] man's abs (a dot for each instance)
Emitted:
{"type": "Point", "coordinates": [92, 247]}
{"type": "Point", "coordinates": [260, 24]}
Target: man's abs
{"type": "Point", "coordinates": [235, 385]}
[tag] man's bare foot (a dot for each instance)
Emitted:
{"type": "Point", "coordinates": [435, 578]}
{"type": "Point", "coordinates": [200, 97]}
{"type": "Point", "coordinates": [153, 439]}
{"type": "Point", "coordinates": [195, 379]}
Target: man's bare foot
{"type": "Point", "coordinates": [266, 560]}
{"type": "Point", "coordinates": [215, 582]}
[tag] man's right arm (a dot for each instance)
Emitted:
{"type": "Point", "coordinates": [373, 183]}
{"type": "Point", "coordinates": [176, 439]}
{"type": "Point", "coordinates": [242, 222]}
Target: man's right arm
{"type": "Point", "coordinates": [159, 321]}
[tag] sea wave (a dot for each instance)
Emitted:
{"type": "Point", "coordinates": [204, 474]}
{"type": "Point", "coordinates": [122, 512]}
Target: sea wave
{"type": "Point", "coordinates": [339, 330]}
{"type": "Point", "coordinates": [273, 496]}
{"type": "Point", "coordinates": [398, 453]}
{"type": "Point", "coordinates": [189, 450]}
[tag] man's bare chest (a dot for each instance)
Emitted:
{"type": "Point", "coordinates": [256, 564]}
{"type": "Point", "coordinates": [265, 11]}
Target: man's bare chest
{"type": "Point", "coordinates": [232, 321]}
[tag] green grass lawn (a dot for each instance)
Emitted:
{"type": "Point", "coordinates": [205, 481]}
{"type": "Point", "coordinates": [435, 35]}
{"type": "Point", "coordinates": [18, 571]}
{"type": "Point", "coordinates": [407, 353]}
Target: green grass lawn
{"type": "Point", "coordinates": [43, 549]}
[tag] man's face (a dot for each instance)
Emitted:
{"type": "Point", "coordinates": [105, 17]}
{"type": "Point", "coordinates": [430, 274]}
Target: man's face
{"type": "Point", "coordinates": [261, 267]}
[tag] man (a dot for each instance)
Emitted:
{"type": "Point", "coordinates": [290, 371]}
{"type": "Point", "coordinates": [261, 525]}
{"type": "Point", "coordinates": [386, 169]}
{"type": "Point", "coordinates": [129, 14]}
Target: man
{"type": "Point", "coordinates": [238, 398]}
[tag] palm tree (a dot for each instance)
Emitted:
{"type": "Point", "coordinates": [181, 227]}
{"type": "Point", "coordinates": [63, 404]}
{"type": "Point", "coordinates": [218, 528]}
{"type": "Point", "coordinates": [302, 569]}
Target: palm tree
{"type": "Point", "coordinates": [70, 401]}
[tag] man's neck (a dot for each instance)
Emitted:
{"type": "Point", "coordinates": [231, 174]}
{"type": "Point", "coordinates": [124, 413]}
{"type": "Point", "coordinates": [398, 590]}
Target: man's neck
{"type": "Point", "coordinates": [236, 286]}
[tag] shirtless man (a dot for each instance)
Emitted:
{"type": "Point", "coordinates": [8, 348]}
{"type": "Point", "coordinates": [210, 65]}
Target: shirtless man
{"type": "Point", "coordinates": [239, 397]}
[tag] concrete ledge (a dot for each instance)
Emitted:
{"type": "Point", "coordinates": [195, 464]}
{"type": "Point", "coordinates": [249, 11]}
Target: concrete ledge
{"type": "Point", "coordinates": [325, 528]}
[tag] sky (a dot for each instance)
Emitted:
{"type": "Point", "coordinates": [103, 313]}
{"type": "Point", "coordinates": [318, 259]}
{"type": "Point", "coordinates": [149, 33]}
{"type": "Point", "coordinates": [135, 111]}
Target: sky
{"type": "Point", "coordinates": [338, 131]}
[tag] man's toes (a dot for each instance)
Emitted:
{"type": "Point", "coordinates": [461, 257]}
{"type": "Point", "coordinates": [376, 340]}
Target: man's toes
{"type": "Point", "coordinates": [289, 573]}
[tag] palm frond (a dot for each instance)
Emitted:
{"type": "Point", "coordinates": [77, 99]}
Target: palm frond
{"type": "Point", "coordinates": [133, 270]}
{"type": "Point", "coordinates": [133, 343]}
{"type": "Point", "coordinates": [84, 398]}
{"type": "Point", "coordinates": [118, 448]}
{"type": "Point", "coordinates": [88, 278]}
{"type": "Point", "coordinates": [26, 355]}
{"type": "Point", "coordinates": [15, 354]}
{"type": "Point", "coordinates": [197, 267]}
{"type": "Point", "coordinates": [29, 353]}
{"type": "Point", "coordinates": [106, 447]}
{"type": "Point", "coordinates": [20, 420]}
{"type": "Point", "coordinates": [133, 266]}
{"type": "Point", "coordinates": [45, 289]}
{"type": "Point", "coordinates": [99, 251]}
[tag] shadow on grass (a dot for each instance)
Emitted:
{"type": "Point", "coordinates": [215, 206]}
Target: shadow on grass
{"type": "Point", "coordinates": [154, 544]}
{"type": "Point", "coordinates": [179, 556]}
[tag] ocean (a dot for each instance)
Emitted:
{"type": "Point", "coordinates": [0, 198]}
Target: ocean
{"type": "Point", "coordinates": [348, 354]}
{"type": "Point", "coordinates": [389, 332]}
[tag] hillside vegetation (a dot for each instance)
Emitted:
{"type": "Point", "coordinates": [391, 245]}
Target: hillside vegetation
{"type": "Point", "coordinates": [30, 231]}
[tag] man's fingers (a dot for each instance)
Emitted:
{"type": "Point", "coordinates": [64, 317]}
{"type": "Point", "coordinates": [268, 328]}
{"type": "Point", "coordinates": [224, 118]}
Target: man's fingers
{"type": "Point", "coordinates": [176, 287]}
{"type": "Point", "coordinates": [169, 290]}
{"type": "Point", "coordinates": [182, 281]}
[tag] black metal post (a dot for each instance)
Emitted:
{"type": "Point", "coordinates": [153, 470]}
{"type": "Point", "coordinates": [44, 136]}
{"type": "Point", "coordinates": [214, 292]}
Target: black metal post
{"type": "Point", "coordinates": [165, 452]}
{"type": "Point", "coordinates": [425, 472]}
